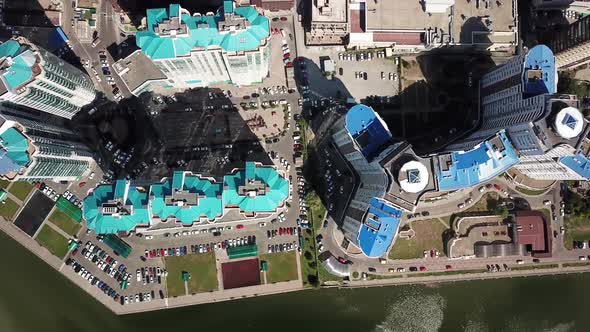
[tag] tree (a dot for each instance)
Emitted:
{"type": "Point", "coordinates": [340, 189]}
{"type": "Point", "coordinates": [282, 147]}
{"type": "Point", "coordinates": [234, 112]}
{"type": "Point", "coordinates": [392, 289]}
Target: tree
{"type": "Point", "coordinates": [313, 264]}
{"type": "Point", "coordinates": [307, 255]}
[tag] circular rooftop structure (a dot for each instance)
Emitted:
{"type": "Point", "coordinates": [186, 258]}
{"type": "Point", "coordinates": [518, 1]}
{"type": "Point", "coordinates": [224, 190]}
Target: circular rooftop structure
{"type": "Point", "coordinates": [413, 177]}
{"type": "Point", "coordinates": [569, 122]}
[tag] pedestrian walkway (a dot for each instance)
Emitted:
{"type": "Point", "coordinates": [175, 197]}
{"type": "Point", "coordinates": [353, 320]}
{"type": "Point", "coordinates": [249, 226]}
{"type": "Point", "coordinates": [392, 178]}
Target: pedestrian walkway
{"type": "Point", "coordinates": [527, 182]}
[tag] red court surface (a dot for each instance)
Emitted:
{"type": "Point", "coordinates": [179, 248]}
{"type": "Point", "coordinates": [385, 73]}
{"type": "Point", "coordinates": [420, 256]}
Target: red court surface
{"type": "Point", "coordinates": [241, 273]}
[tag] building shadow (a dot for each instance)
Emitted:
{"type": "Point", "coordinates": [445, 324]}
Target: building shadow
{"type": "Point", "coordinates": [192, 133]}
{"type": "Point", "coordinates": [438, 102]}
{"type": "Point", "coordinates": [324, 99]}
{"type": "Point", "coordinates": [475, 30]}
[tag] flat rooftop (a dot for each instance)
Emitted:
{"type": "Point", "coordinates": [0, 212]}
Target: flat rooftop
{"type": "Point", "coordinates": [137, 69]}
{"type": "Point", "coordinates": [329, 11]}
{"type": "Point", "coordinates": [465, 18]}
{"type": "Point", "coordinates": [402, 15]}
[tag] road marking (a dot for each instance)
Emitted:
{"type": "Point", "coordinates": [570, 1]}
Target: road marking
{"type": "Point", "coordinates": [443, 222]}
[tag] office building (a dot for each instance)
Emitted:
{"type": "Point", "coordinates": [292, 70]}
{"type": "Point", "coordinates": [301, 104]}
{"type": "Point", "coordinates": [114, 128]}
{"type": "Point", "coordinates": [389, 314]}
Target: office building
{"type": "Point", "coordinates": [571, 44]}
{"type": "Point", "coordinates": [556, 145]}
{"type": "Point", "coordinates": [328, 24]}
{"type": "Point", "coordinates": [229, 46]}
{"type": "Point", "coordinates": [185, 199]}
{"type": "Point", "coordinates": [415, 26]}
{"type": "Point", "coordinates": [512, 94]}
{"type": "Point", "coordinates": [33, 77]}
{"type": "Point", "coordinates": [34, 151]}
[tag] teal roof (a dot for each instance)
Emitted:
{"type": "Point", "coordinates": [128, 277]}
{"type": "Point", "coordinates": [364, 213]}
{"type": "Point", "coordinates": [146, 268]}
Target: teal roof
{"type": "Point", "coordinates": [277, 185]}
{"type": "Point", "coordinates": [211, 198]}
{"type": "Point", "coordinates": [108, 224]}
{"type": "Point", "coordinates": [20, 70]}
{"type": "Point", "coordinates": [15, 146]}
{"type": "Point", "coordinates": [208, 205]}
{"type": "Point", "coordinates": [202, 32]}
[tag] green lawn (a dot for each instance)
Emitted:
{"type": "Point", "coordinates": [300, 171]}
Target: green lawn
{"type": "Point", "coordinates": [281, 266]}
{"type": "Point", "coordinates": [4, 184]}
{"type": "Point", "coordinates": [576, 220]}
{"type": "Point", "coordinates": [21, 189]}
{"type": "Point", "coordinates": [64, 222]}
{"type": "Point", "coordinates": [8, 208]}
{"type": "Point", "coordinates": [201, 268]}
{"type": "Point", "coordinates": [487, 203]}
{"type": "Point", "coordinates": [428, 236]}
{"type": "Point", "coordinates": [309, 271]}
{"type": "Point", "coordinates": [530, 192]}
{"type": "Point", "coordinates": [317, 210]}
{"type": "Point", "coordinates": [53, 241]}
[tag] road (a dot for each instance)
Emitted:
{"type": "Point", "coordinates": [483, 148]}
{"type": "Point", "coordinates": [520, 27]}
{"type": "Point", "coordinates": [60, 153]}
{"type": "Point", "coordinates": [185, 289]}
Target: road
{"type": "Point", "coordinates": [446, 207]}
{"type": "Point", "coordinates": [109, 35]}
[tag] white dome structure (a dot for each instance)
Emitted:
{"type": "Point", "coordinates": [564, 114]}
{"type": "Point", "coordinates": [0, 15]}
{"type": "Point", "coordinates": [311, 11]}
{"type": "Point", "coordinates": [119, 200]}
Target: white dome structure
{"type": "Point", "coordinates": [569, 122]}
{"type": "Point", "coordinates": [413, 177]}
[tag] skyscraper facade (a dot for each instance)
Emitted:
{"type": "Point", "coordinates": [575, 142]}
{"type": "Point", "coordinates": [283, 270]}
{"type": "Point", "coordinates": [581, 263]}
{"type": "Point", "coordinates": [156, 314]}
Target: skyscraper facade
{"type": "Point", "coordinates": [33, 77]}
{"type": "Point", "coordinates": [45, 151]}
{"type": "Point", "coordinates": [513, 93]}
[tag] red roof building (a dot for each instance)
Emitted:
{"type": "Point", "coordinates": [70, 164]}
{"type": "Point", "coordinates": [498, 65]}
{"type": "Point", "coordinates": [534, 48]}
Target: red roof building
{"type": "Point", "coordinates": [533, 231]}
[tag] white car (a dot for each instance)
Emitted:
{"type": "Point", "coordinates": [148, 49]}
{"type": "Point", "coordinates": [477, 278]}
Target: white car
{"type": "Point", "coordinates": [261, 224]}
{"type": "Point", "coordinates": [149, 237]}
{"type": "Point", "coordinates": [138, 273]}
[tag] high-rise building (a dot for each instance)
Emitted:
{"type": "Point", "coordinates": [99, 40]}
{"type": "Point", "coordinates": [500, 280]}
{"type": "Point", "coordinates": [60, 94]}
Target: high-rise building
{"type": "Point", "coordinates": [34, 151]}
{"type": "Point", "coordinates": [571, 44]}
{"type": "Point", "coordinates": [229, 46]}
{"type": "Point", "coordinates": [389, 178]}
{"type": "Point", "coordinates": [555, 146]}
{"type": "Point", "coordinates": [512, 94]}
{"type": "Point", "coordinates": [33, 77]}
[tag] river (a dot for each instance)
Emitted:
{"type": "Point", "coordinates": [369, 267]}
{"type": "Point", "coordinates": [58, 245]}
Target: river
{"type": "Point", "coordinates": [34, 297]}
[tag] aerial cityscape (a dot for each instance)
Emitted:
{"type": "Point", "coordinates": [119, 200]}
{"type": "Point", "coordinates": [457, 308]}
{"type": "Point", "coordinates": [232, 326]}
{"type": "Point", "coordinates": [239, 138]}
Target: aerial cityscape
{"type": "Point", "coordinates": [166, 154]}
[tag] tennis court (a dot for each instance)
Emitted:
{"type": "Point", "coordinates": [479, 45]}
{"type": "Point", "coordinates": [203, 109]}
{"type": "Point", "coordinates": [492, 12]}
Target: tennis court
{"type": "Point", "coordinates": [241, 273]}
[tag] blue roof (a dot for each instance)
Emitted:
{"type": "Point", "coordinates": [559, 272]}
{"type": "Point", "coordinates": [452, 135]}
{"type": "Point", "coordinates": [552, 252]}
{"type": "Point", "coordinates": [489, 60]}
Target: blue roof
{"type": "Point", "coordinates": [478, 165]}
{"type": "Point", "coordinates": [577, 163]}
{"type": "Point", "coordinates": [202, 32]}
{"type": "Point", "coordinates": [540, 58]}
{"type": "Point", "coordinates": [376, 234]}
{"type": "Point", "coordinates": [367, 128]}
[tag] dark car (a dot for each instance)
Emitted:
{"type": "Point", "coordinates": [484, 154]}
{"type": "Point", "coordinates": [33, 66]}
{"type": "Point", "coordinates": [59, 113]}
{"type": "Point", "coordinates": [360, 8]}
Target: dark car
{"type": "Point", "coordinates": [413, 269]}
{"type": "Point", "coordinates": [161, 294]}
{"type": "Point", "coordinates": [142, 258]}
{"type": "Point", "coordinates": [372, 269]}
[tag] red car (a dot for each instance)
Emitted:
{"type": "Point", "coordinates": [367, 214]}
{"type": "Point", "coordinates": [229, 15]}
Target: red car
{"type": "Point", "coordinates": [342, 260]}
{"type": "Point", "coordinates": [448, 267]}
{"type": "Point", "coordinates": [74, 252]}
{"type": "Point", "coordinates": [283, 18]}
{"type": "Point", "coordinates": [497, 187]}
{"type": "Point", "coordinates": [289, 64]}
{"type": "Point", "coordinates": [288, 230]}
{"type": "Point", "coordinates": [222, 244]}
{"type": "Point", "coordinates": [281, 231]}
{"type": "Point", "coordinates": [286, 55]}
{"type": "Point", "coordinates": [161, 252]}
{"type": "Point", "coordinates": [422, 268]}
{"type": "Point", "coordinates": [239, 226]}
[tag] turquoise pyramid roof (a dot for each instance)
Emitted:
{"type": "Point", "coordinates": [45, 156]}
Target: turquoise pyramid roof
{"type": "Point", "coordinates": [20, 71]}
